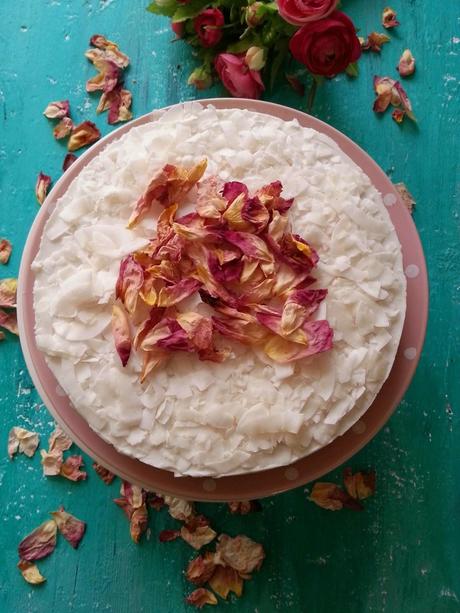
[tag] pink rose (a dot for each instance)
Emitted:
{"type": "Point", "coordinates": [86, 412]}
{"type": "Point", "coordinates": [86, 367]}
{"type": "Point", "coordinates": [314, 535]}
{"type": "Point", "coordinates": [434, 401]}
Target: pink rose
{"type": "Point", "coordinates": [237, 77]}
{"type": "Point", "coordinates": [326, 47]}
{"type": "Point", "coordinates": [207, 25]}
{"type": "Point", "coordinates": [300, 12]}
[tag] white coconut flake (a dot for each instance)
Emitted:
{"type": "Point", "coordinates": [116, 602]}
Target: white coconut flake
{"type": "Point", "coordinates": [248, 413]}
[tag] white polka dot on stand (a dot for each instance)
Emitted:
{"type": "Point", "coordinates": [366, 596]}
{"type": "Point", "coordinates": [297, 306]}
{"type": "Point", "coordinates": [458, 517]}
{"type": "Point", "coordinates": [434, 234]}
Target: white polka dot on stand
{"type": "Point", "coordinates": [209, 485]}
{"type": "Point", "coordinates": [291, 473]}
{"type": "Point", "coordinates": [410, 353]}
{"type": "Point", "coordinates": [412, 271]}
{"type": "Point", "coordinates": [359, 427]}
{"type": "Point", "coordinates": [60, 391]}
{"type": "Point", "coordinates": [389, 199]}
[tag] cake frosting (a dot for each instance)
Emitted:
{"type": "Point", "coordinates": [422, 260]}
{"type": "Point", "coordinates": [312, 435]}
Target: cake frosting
{"type": "Point", "coordinates": [247, 413]}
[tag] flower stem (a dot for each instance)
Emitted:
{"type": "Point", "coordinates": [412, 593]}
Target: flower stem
{"type": "Point", "coordinates": [312, 95]}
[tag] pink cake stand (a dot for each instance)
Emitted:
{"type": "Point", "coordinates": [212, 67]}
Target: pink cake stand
{"type": "Point", "coordinates": [265, 483]}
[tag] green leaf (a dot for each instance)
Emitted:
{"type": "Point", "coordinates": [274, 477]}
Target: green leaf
{"type": "Point", "coordinates": [281, 49]}
{"type": "Point", "coordinates": [240, 46]}
{"type": "Point", "coordinates": [166, 8]}
{"type": "Point", "coordinates": [352, 70]}
{"type": "Point", "coordinates": [188, 11]}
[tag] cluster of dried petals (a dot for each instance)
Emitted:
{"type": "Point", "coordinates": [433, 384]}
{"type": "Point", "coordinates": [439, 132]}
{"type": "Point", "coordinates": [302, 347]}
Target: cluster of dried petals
{"type": "Point", "coordinates": [8, 291]}
{"type": "Point", "coordinates": [201, 597]}
{"type": "Point", "coordinates": [104, 473]}
{"type": "Point", "coordinates": [53, 462]}
{"type": "Point", "coordinates": [133, 503]}
{"type": "Point", "coordinates": [406, 64]}
{"type": "Point", "coordinates": [30, 572]}
{"type": "Point", "coordinates": [42, 186]}
{"type": "Point", "coordinates": [69, 159]}
{"type": "Point", "coordinates": [82, 135]}
{"type": "Point", "coordinates": [71, 528]}
{"type": "Point", "coordinates": [238, 252]}
{"type": "Point", "coordinates": [5, 250]}
{"type": "Point", "coordinates": [388, 92]}
{"type": "Point", "coordinates": [360, 485]}
{"type": "Point", "coordinates": [407, 198]}
{"type": "Point", "coordinates": [374, 42]}
{"type": "Point", "coordinates": [110, 62]}
{"type": "Point", "coordinates": [23, 441]}
{"type": "Point", "coordinates": [389, 19]}
{"type": "Point", "coordinates": [244, 507]}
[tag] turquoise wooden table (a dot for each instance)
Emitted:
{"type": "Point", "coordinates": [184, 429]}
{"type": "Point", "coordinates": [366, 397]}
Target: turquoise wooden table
{"type": "Point", "coordinates": [402, 554]}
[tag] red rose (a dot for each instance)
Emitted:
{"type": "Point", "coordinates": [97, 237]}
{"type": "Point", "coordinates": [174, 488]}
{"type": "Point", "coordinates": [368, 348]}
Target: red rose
{"type": "Point", "coordinates": [207, 25]}
{"type": "Point", "coordinates": [178, 28]}
{"type": "Point", "coordinates": [300, 12]}
{"type": "Point", "coordinates": [326, 47]}
{"type": "Point", "coordinates": [236, 76]}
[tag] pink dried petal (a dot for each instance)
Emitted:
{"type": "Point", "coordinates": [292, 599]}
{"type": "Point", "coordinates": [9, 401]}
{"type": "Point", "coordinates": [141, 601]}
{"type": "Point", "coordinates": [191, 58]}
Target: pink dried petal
{"type": "Point", "coordinates": [30, 572]}
{"type": "Point", "coordinates": [386, 93]}
{"type": "Point", "coordinates": [241, 327]}
{"type": "Point", "coordinates": [41, 187]}
{"type": "Point", "coordinates": [57, 109]}
{"type": "Point", "coordinates": [22, 441]}
{"type": "Point", "coordinates": [39, 543]}
{"type": "Point", "coordinates": [135, 495]}
{"type": "Point", "coordinates": [197, 538]}
{"type": "Point", "coordinates": [5, 250]}
{"type": "Point", "coordinates": [59, 440]}
{"type": "Point", "coordinates": [150, 360]}
{"type": "Point", "coordinates": [360, 485]}
{"type": "Point", "coordinates": [374, 42]}
{"type": "Point", "coordinates": [331, 497]}
{"type": "Point", "coordinates": [296, 84]}
{"type": "Point", "coordinates": [110, 49]}
{"type": "Point", "coordinates": [232, 189]}
{"type": "Point", "coordinates": [121, 331]}
{"type": "Point", "coordinates": [82, 135]}
{"type": "Point", "coordinates": [405, 102]}
{"type": "Point", "coordinates": [209, 203]}
{"type": "Point", "coordinates": [225, 580]}
{"type": "Point", "coordinates": [138, 523]}
{"type": "Point", "coordinates": [70, 469]}
{"type": "Point", "coordinates": [69, 159]}
{"type": "Point", "coordinates": [270, 196]}
{"type": "Point", "coordinates": [244, 507]}
{"type": "Point", "coordinates": [156, 502]}
{"type": "Point", "coordinates": [51, 462]}
{"type": "Point", "coordinates": [118, 102]}
{"type": "Point", "coordinates": [240, 553]}
{"type": "Point", "coordinates": [313, 337]}
{"type": "Point", "coordinates": [71, 528]}
{"type": "Point", "coordinates": [179, 509]}
{"type": "Point", "coordinates": [249, 244]}
{"type": "Point", "coordinates": [389, 18]}
{"type": "Point", "coordinates": [167, 536]}
{"type": "Point", "coordinates": [63, 128]}
{"type": "Point", "coordinates": [406, 65]}
{"type": "Point", "coordinates": [299, 306]}
{"type": "Point", "coordinates": [201, 597]}
{"type": "Point", "coordinates": [103, 473]}
{"type": "Point", "coordinates": [107, 78]}
{"type": "Point", "coordinates": [407, 198]}
{"type": "Point", "coordinates": [398, 115]}
{"type": "Point", "coordinates": [294, 251]}
{"type": "Point", "coordinates": [9, 321]}
{"type": "Point", "coordinates": [8, 290]}
{"type": "Point", "coordinates": [129, 283]}
{"type": "Point", "coordinates": [201, 568]}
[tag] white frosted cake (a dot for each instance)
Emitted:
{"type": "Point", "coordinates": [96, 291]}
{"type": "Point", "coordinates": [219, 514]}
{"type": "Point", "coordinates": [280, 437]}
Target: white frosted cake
{"type": "Point", "coordinates": [249, 409]}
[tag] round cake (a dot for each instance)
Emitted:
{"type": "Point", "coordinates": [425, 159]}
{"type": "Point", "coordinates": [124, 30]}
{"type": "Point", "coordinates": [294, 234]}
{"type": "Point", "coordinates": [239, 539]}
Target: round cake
{"type": "Point", "coordinates": [192, 413]}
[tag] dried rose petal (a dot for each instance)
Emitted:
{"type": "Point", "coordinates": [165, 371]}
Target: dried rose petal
{"type": "Point", "coordinates": [104, 473]}
{"type": "Point", "coordinates": [225, 580]}
{"type": "Point", "coordinates": [41, 187]}
{"type": "Point", "coordinates": [9, 321]}
{"type": "Point", "coordinates": [296, 84]}
{"type": "Point", "coordinates": [5, 250]}
{"type": "Point", "coordinates": [156, 502]}
{"type": "Point", "coordinates": [110, 49]}
{"type": "Point", "coordinates": [198, 537]}
{"type": "Point", "coordinates": [8, 289]}
{"type": "Point", "coordinates": [69, 159]}
{"type": "Point", "coordinates": [121, 331]}
{"type": "Point", "coordinates": [172, 294]}
{"type": "Point", "coordinates": [82, 135]}
{"type": "Point", "coordinates": [30, 572]}
{"type": "Point", "coordinates": [51, 462]}
{"type": "Point", "coordinates": [117, 102]}
{"type": "Point", "coordinates": [389, 18]}
{"type": "Point", "coordinates": [250, 245]}
{"type": "Point", "coordinates": [63, 128]}
{"type": "Point", "coordinates": [22, 441]}
{"type": "Point", "coordinates": [244, 507]}
{"type": "Point", "coordinates": [39, 543]}
{"type": "Point", "coordinates": [331, 497]}
{"type": "Point", "coordinates": [374, 42]}
{"type": "Point", "coordinates": [138, 523]}
{"type": "Point", "coordinates": [168, 187]}
{"type": "Point", "coordinates": [209, 203]}
{"type": "Point", "coordinates": [70, 469]}
{"type": "Point", "coordinates": [398, 115]}
{"type": "Point", "coordinates": [201, 568]}
{"type": "Point", "coordinates": [57, 109]}
{"type": "Point", "coordinates": [59, 441]}
{"type": "Point", "coordinates": [407, 197]}
{"type": "Point", "coordinates": [166, 536]}
{"type": "Point", "coordinates": [299, 306]}
{"type": "Point", "coordinates": [107, 78]}
{"type": "Point", "coordinates": [200, 597]}
{"type": "Point", "coordinates": [129, 283]}
{"type": "Point", "coordinates": [360, 485]}
{"type": "Point", "coordinates": [240, 553]}
{"type": "Point", "coordinates": [233, 189]}
{"type": "Point", "coordinates": [270, 196]}
{"type": "Point", "coordinates": [179, 508]}
{"type": "Point", "coordinates": [406, 65]}
{"type": "Point", "coordinates": [71, 528]}
{"type": "Point", "coordinates": [405, 102]}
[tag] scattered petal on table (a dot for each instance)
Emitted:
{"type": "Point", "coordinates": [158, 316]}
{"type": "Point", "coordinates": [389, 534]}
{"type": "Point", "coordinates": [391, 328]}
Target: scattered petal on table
{"type": "Point", "coordinates": [5, 250]}
{"type": "Point", "coordinates": [389, 18]}
{"type": "Point", "coordinates": [68, 161]}
{"type": "Point", "coordinates": [41, 187]}
{"type": "Point", "coordinates": [406, 65]}
{"type": "Point", "coordinates": [201, 568]}
{"type": "Point", "coordinates": [82, 135]}
{"type": "Point", "coordinates": [104, 473]}
{"type": "Point", "coordinates": [22, 441]}
{"type": "Point", "coordinates": [30, 572]}
{"type": "Point", "coordinates": [63, 128]}
{"type": "Point", "coordinates": [51, 462]}
{"type": "Point", "coordinates": [241, 553]}
{"type": "Point", "coordinates": [360, 485]}
{"type": "Point", "coordinates": [244, 507]}
{"type": "Point", "coordinates": [39, 543]}
{"type": "Point", "coordinates": [8, 289]}
{"type": "Point", "coordinates": [9, 321]}
{"type": "Point", "coordinates": [71, 528]}
{"type": "Point", "coordinates": [374, 42]}
{"type": "Point", "coordinates": [200, 597]}
{"type": "Point", "coordinates": [70, 469]}
{"type": "Point", "coordinates": [58, 440]}
{"type": "Point", "coordinates": [57, 109]}
{"type": "Point", "coordinates": [225, 580]}
{"type": "Point", "coordinates": [333, 498]}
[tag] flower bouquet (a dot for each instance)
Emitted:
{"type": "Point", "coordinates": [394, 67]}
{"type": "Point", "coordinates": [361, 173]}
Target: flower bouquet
{"type": "Point", "coordinates": [246, 43]}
